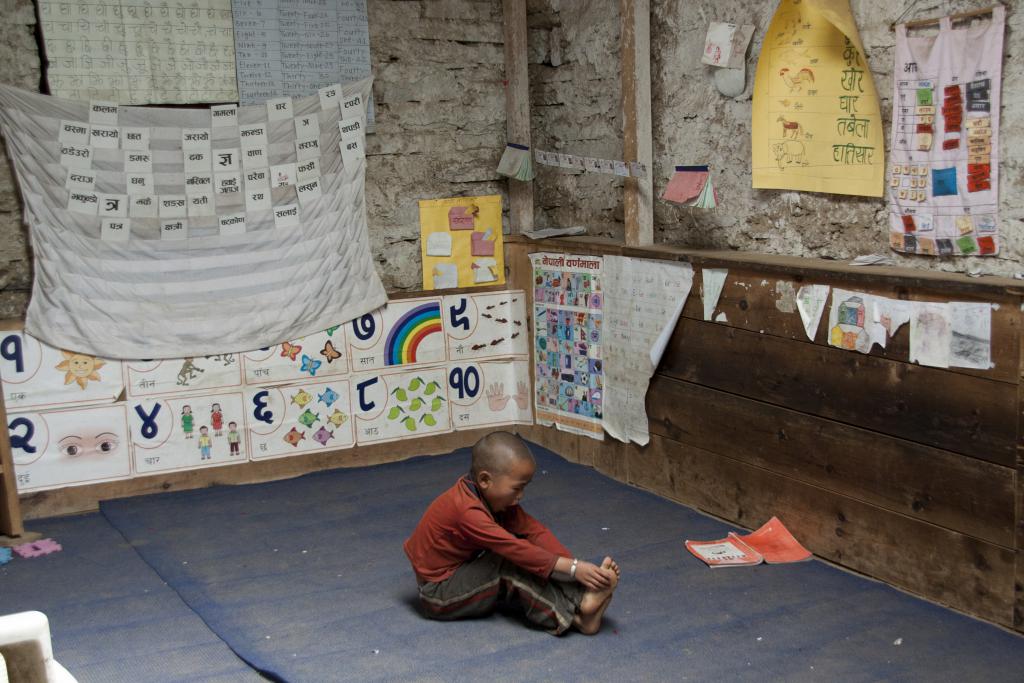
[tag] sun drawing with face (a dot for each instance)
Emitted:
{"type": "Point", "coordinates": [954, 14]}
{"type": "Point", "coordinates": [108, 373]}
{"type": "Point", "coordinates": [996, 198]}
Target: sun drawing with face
{"type": "Point", "coordinates": [80, 368]}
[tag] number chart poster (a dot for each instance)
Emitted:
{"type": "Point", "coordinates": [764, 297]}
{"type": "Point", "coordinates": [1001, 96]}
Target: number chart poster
{"type": "Point", "coordinates": [299, 418]}
{"type": "Point", "coordinates": [816, 124]}
{"type": "Point", "coordinates": [486, 325]}
{"type": "Point", "coordinates": [489, 394]}
{"type": "Point", "coordinates": [323, 354]}
{"type": "Point", "coordinates": [37, 375]}
{"type": "Point", "coordinates": [567, 300]}
{"type": "Point", "coordinates": [461, 243]}
{"type": "Point", "coordinates": [391, 406]}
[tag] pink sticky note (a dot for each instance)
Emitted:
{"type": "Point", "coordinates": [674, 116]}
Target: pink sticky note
{"type": "Point", "coordinates": [685, 186]}
{"type": "Point", "coordinates": [480, 246]}
{"type": "Point", "coordinates": [461, 218]}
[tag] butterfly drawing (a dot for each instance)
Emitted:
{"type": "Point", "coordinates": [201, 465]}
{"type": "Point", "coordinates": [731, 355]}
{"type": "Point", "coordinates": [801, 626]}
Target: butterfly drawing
{"type": "Point", "coordinates": [330, 353]}
{"type": "Point", "coordinates": [309, 365]}
{"type": "Point", "coordinates": [289, 350]}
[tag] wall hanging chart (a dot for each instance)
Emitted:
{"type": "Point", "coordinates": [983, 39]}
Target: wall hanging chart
{"type": "Point", "coordinates": [816, 124]}
{"type": "Point", "coordinates": [417, 366]}
{"type": "Point", "coordinates": [567, 317]}
{"type": "Point", "coordinates": [461, 242]}
{"type": "Point", "coordinates": [163, 233]}
{"type": "Point", "coordinates": [944, 164]}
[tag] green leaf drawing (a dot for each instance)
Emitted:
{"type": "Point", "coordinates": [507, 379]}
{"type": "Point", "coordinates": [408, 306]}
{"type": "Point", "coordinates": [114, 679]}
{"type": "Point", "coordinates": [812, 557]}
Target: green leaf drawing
{"type": "Point", "coordinates": [416, 404]}
{"type": "Point", "coordinates": [415, 384]}
{"type": "Point", "coordinates": [431, 388]}
{"type": "Point", "coordinates": [410, 424]}
{"type": "Point", "coordinates": [435, 405]}
{"type": "Point", "coordinates": [428, 420]}
{"type": "Point", "coordinates": [395, 412]}
{"type": "Point", "coordinates": [400, 394]}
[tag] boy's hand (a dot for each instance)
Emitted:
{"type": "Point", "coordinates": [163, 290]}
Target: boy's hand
{"type": "Point", "coordinates": [593, 577]}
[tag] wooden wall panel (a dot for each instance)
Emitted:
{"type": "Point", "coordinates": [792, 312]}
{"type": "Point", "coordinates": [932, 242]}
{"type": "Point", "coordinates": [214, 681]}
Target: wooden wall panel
{"type": "Point", "coordinates": [967, 495]}
{"type": "Point", "coordinates": [947, 410]}
{"type": "Point", "coordinates": [953, 569]}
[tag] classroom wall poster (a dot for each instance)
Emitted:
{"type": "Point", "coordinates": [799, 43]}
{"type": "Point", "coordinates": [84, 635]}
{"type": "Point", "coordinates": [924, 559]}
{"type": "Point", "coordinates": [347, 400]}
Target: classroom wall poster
{"type": "Point", "coordinates": [299, 418]}
{"type": "Point", "coordinates": [183, 375]}
{"type": "Point", "coordinates": [492, 325]}
{"type": "Point", "coordinates": [489, 393]}
{"type": "Point", "coordinates": [944, 170]}
{"type": "Point", "coordinates": [396, 405]}
{"type": "Point", "coordinates": [318, 355]}
{"type": "Point", "coordinates": [405, 332]}
{"type": "Point", "coordinates": [567, 299]}
{"type": "Point", "coordinates": [816, 124]}
{"type": "Point", "coordinates": [461, 242]}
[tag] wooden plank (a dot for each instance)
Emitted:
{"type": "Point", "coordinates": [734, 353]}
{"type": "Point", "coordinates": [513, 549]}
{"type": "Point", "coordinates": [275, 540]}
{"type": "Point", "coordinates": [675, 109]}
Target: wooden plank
{"type": "Point", "coordinates": [10, 509]}
{"type": "Point", "coordinates": [950, 411]}
{"type": "Point", "coordinates": [517, 109]}
{"type": "Point", "coordinates": [964, 494]}
{"type": "Point", "coordinates": [1018, 577]}
{"type": "Point", "coordinates": [75, 499]}
{"type": "Point", "coordinates": [763, 302]}
{"type": "Point", "coordinates": [856, 276]}
{"type": "Point", "coordinates": [962, 572]}
{"type": "Point", "coordinates": [635, 47]}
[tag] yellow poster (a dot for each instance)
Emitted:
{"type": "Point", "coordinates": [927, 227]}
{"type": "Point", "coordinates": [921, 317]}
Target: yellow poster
{"type": "Point", "coordinates": [460, 242]}
{"type": "Point", "coordinates": [816, 123]}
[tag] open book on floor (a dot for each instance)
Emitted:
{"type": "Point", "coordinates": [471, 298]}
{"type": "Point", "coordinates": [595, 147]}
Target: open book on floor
{"type": "Point", "coordinates": [771, 543]}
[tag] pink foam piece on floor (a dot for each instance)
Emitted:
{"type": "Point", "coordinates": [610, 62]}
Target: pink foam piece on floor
{"type": "Point", "coordinates": [43, 546]}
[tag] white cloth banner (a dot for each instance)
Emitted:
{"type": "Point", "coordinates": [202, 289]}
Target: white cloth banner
{"type": "Point", "coordinates": [198, 255]}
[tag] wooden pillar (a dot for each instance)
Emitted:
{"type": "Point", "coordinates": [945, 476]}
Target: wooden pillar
{"type": "Point", "coordinates": [635, 45]}
{"type": "Point", "coordinates": [1018, 577]}
{"type": "Point", "coordinates": [517, 109]}
{"type": "Point", "coordinates": [10, 510]}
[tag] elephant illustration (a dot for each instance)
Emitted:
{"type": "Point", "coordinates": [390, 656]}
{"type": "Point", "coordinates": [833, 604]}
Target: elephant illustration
{"type": "Point", "coordinates": [788, 153]}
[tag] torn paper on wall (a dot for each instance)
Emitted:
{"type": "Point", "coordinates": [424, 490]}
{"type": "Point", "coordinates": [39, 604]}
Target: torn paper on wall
{"type": "Point", "coordinates": [714, 280]}
{"type": "Point", "coordinates": [643, 301]}
{"type": "Point", "coordinates": [857, 320]}
{"type": "Point", "coordinates": [810, 301]}
{"type": "Point", "coordinates": [971, 341]}
{"type": "Point", "coordinates": [931, 334]}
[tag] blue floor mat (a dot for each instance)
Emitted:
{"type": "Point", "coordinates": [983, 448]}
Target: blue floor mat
{"type": "Point", "coordinates": [306, 580]}
{"type": "Point", "coordinates": [111, 618]}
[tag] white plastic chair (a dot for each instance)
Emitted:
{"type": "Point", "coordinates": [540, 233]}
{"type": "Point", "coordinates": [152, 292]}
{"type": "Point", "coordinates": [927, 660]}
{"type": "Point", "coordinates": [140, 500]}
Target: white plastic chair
{"type": "Point", "coordinates": [28, 627]}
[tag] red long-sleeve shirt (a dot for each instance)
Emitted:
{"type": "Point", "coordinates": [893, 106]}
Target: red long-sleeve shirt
{"type": "Point", "coordinates": [458, 525]}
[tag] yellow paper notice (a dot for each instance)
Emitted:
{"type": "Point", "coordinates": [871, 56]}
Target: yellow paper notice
{"type": "Point", "coordinates": [816, 123]}
{"type": "Point", "coordinates": [461, 243]}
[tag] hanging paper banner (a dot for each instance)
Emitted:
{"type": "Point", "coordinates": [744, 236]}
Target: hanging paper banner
{"type": "Point", "coordinates": [489, 394]}
{"type": "Point", "coordinates": [944, 164]}
{"type": "Point", "coordinates": [70, 447]}
{"type": "Point", "coordinates": [567, 318]}
{"type": "Point", "coordinates": [816, 123]}
{"type": "Point", "coordinates": [461, 242]}
{"type": "Point", "coordinates": [299, 418]}
{"type": "Point", "coordinates": [37, 376]}
{"type": "Point", "coordinates": [486, 325]}
{"type": "Point", "coordinates": [186, 433]}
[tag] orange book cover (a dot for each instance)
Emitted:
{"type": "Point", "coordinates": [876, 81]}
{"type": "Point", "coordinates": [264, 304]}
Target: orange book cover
{"type": "Point", "coordinates": [775, 544]}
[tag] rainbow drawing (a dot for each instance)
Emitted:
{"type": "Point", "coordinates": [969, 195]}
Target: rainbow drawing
{"type": "Point", "coordinates": [409, 331]}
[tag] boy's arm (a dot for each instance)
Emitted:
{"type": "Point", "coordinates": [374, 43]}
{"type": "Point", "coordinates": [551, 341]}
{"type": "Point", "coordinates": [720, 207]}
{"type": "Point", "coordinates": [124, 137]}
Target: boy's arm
{"type": "Point", "coordinates": [478, 527]}
{"type": "Point", "coordinates": [521, 523]}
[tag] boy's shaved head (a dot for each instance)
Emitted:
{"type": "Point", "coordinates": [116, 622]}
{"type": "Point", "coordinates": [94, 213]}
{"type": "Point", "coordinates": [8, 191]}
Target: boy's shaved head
{"type": "Point", "coordinates": [496, 452]}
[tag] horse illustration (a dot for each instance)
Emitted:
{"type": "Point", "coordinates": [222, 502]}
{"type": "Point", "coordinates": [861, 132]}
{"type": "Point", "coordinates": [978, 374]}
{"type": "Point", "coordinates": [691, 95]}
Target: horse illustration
{"type": "Point", "coordinates": [788, 153]}
{"type": "Point", "coordinates": [791, 129]}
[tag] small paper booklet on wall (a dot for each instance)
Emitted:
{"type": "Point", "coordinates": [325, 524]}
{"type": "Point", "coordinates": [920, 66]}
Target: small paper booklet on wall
{"type": "Point", "coordinates": [772, 543]}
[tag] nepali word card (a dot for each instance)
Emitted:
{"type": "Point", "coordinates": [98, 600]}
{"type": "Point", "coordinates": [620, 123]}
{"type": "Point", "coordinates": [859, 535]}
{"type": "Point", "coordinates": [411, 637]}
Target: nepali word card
{"type": "Point", "coordinates": [399, 405]}
{"type": "Point", "coordinates": [324, 354]}
{"type": "Point", "coordinates": [642, 303]}
{"type": "Point", "coordinates": [70, 447]}
{"type": "Point", "coordinates": [816, 122]}
{"type": "Point", "coordinates": [568, 300]}
{"type": "Point", "coordinates": [184, 375]}
{"type": "Point", "coordinates": [186, 433]}
{"type": "Point", "coordinates": [486, 325]}
{"type": "Point", "coordinates": [490, 393]}
{"type": "Point", "coordinates": [461, 243]}
{"type": "Point", "coordinates": [36, 375]}
{"type": "Point", "coordinates": [299, 418]}
{"type": "Point", "coordinates": [944, 165]}
{"type": "Point", "coordinates": [403, 332]}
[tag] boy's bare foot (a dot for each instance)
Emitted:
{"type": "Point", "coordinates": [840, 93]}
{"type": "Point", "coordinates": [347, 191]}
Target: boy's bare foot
{"type": "Point", "coordinates": [594, 603]}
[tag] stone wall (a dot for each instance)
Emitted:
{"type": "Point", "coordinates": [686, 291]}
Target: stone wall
{"type": "Point", "coordinates": [576, 109]}
{"type": "Point", "coordinates": [439, 90]}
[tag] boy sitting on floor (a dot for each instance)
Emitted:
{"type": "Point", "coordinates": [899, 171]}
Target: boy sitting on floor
{"type": "Point", "coordinates": [475, 546]}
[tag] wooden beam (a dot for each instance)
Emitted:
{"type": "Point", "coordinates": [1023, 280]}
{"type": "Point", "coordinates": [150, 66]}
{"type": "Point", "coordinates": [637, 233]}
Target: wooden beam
{"type": "Point", "coordinates": [517, 109]}
{"type": "Point", "coordinates": [635, 45]}
{"type": "Point", "coordinates": [10, 510]}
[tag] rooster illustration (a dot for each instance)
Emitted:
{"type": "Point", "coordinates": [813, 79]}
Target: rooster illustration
{"type": "Point", "coordinates": [796, 83]}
